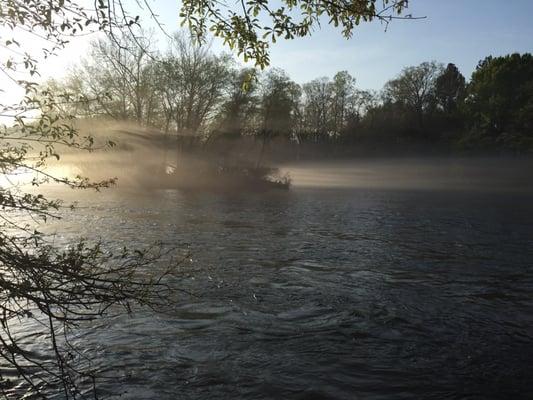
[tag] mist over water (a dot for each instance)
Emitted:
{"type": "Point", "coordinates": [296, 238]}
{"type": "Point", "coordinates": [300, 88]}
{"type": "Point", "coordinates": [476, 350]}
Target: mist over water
{"type": "Point", "coordinates": [143, 160]}
{"type": "Point", "coordinates": [421, 173]}
{"type": "Point", "coordinates": [236, 232]}
{"type": "Point", "coordinates": [373, 278]}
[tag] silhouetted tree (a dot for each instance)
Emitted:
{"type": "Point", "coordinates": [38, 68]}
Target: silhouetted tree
{"type": "Point", "coordinates": [500, 100]}
{"type": "Point", "coordinates": [238, 111]}
{"type": "Point", "coordinates": [195, 82]}
{"type": "Point", "coordinates": [450, 89]}
{"type": "Point", "coordinates": [53, 287]}
{"type": "Point", "coordinates": [279, 100]}
{"type": "Point", "coordinates": [361, 111]}
{"type": "Point", "coordinates": [66, 286]}
{"type": "Point", "coordinates": [318, 98]}
{"type": "Point", "coordinates": [415, 88]}
{"type": "Point", "coordinates": [345, 107]}
{"type": "Point", "coordinates": [118, 73]}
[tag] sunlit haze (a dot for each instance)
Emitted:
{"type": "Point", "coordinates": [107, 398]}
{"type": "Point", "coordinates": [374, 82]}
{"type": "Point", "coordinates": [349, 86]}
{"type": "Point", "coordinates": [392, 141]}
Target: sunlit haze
{"type": "Point", "coordinates": [456, 31]}
{"type": "Point", "coordinates": [352, 221]}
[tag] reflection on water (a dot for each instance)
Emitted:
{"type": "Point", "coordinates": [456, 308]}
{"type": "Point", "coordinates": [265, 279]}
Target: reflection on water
{"type": "Point", "coordinates": [323, 294]}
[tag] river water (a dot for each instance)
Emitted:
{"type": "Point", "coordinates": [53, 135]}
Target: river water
{"type": "Point", "coordinates": [323, 293]}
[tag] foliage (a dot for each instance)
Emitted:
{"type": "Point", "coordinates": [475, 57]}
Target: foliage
{"type": "Point", "coordinates": [317, 110]}
{"type": "Point", "coordinates": [118, 76]}
{"type": "Point", "coordinates": [51, 288]}
{"type": "Point", "coordinates": [251, 26]}
{"type": "Point", "coordinates": [180, 90]}
{"type": "Point", "coordinates": [278, 101]}
{"type": "Point", "coordinates": [63, 287]}
{"type": "Point", "coordinates": [425, 103]}
{"type": "Point", "coordinates": [500, 97]}
{"type": "Point", "coordinates": [193, 81]}
{"type": "Point", "coordinates": [239, 108]}
{"type": "Point", "coordinates": [450, 89]}
{"type": "Point", "coordinates": [414, 89]}
{"type": "Point", "coordinates": [332, 107]}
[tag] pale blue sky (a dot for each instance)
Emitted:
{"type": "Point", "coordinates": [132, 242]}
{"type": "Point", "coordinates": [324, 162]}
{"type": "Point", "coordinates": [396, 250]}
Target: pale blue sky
{"type": "Point", "coordinates": [458, 31]}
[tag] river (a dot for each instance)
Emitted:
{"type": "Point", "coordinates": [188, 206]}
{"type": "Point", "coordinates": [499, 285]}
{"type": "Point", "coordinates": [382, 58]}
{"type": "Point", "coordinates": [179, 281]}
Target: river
{"type": "Point", "coordinates": [322, 293]}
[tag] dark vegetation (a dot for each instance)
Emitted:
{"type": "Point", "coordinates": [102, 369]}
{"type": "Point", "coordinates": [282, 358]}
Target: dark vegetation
{"type": "Point", "coordinates": [207, 103]}
{"type": "Point", "coordinates": [48, 289]}
{"type": "Point", "coordinates": [198, 100]}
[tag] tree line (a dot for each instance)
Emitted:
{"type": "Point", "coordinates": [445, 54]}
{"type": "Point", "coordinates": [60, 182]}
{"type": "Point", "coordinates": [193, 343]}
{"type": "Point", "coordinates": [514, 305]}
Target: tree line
{"type": "Point", "coordinates": [57, 287]}
{"type": "Point", "coordinates": [190, 91]}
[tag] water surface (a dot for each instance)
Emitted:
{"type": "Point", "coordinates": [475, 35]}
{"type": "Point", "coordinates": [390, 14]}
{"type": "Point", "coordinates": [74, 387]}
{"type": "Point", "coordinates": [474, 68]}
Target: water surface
{"type": "Point", "coordinates": [339, 293]}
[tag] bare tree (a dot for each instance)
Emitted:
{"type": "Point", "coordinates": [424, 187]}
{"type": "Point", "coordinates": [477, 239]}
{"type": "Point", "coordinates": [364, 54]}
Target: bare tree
{"type": "Point", "coordinates": [414, 88]}
{"type": "Point", "coordinates": [318, 98]}
{"type": "Point", "coordinates": [344, 101]}
{"type": "Point", "coordinates": [239, 109]}
{"type": "Point", "coordinates": [119, 75]}
{"type": "Point", "coordinates": [194, 83]}
{"type": "Point", "coordinates": [52, 288]}
{"type": "Point", "coordinates": [279, 101]}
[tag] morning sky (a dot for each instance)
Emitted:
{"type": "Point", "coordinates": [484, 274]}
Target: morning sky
{"type": "Point", "coordinates": [458, 31]}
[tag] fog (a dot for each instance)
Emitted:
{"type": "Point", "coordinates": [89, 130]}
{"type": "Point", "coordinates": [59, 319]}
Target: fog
{"type": "Point", "coordinates": [370, 274]}
{"type": "Point", "coordinates": [417, 173]}
{"type": "Point", "coordinates": [143, 159]}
